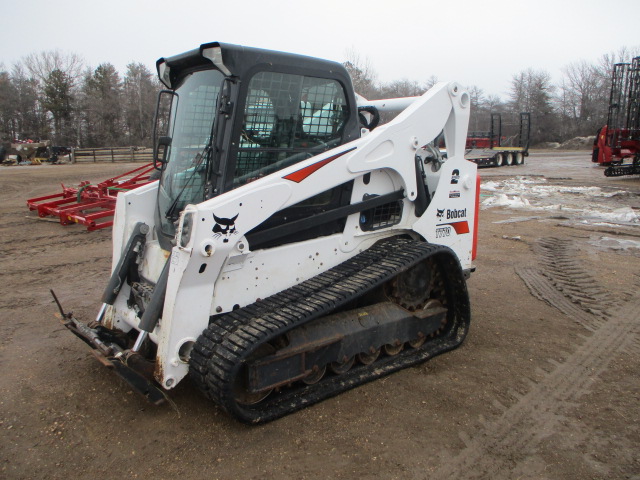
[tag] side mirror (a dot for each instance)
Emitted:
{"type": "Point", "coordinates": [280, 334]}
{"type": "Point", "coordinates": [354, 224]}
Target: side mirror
{"type": "Point", "coordinates": [161, 140]}
{"type": "Point", "coordinates": [161, 151]}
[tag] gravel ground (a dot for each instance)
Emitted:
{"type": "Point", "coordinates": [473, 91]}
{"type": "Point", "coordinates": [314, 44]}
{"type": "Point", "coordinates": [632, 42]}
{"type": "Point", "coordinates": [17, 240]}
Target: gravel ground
{"type": "Point", "coordinates": [546, 385]}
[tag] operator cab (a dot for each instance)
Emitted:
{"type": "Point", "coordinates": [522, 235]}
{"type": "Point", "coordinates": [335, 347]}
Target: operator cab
{"type": "Point", "coordinates": [233, 114]}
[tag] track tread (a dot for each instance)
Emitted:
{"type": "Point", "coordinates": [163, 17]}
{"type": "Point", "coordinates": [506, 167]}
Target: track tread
{"type": "Point", "coordinates": [240, 332]}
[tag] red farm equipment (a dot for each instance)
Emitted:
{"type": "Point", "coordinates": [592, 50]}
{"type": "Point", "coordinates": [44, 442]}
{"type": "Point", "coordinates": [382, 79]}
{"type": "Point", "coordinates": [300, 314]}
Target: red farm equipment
{"type": "Point", "coordinates": [90, 204]}
{"type": "Point", "coordinates": [505, 143]}
{"type": "Point", "coordinates": [617, 144]}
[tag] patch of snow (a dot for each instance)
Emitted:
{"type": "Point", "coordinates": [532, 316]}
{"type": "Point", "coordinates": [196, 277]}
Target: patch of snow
{"type": "Point", "coordinates": [619, 215]}
{"type": "Point", "coordinates": [519, 219]}
{"type": "Point", "coordinates": [585, 204]}
{"type": "Point", "coordinates": [616, 243]}
{"type": "Point", "coordinates": [503, 200]}
{"type": "Point", "coordinates": [490, 186]}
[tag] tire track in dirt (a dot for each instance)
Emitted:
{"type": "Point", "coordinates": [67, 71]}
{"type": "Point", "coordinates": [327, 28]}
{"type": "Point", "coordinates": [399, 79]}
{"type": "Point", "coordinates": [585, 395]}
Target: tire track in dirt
{"type": "Point", "coordinates": [17, 223]}
{"type": "Point", "coordinates": [51, 244]}
{"type": "Point", "coordinates": [561, 267]}
{"type": "Point", "coordinates": [63, 235]}
{"type": "Point", "coordinates": [501, 445]}
{"type": "Point", "coordinates": [23, 218]}
{"type": "Point", "coordinates": [44, 243]}
{"type": "Point", "coordinates": [541, 288]}
{"type": "Point", "coordinates": [38, 273]}
{"type": "Point", "coordinates": [12, 213]}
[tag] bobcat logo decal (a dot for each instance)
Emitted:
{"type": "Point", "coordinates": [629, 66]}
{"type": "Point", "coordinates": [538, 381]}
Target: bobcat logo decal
{"type": "Point", "coordinates": [224, 227]}
{"type": "Point", "coordinates": [440, 213]}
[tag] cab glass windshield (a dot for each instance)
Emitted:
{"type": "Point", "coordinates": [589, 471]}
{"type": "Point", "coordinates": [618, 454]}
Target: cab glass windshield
{"type": "Point", "coordinates": [191, 129]}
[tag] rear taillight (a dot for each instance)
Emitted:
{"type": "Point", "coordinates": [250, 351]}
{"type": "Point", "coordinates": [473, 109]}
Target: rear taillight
{"type": "Point", "coordinates": [474, 249]}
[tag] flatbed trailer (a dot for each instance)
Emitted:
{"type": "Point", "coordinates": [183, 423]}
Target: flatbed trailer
{"type": "Point", "coordinates": [503, 144]}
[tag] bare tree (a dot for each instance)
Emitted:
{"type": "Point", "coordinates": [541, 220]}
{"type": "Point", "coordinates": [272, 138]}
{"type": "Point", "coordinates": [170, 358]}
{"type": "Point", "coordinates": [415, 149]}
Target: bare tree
{"type": "Point", "coordinates": [362, 75]}
{"type": "Point", "coordinates": [431, 81]}
{"type": "Point", "coordinates": [532, 91]}
{"type": "Point", "coordinates": [494, 103]}
{"type": "Point", "coordinates": [401, 88]}
{"type": "Point", "coordinates": [564, 109]}
{"type": "Point", "coordinates": [608, 60]}
{"type": "Point", "coordinates": [139, 94]}
{"type": "Point", "coordinates": [56, 76]}
{"type": "Point", "coordinates": [477, 113]}
{"type": "Point", "coordinates": [582, 100]}
{"type": "Point", "coordinates": [29, 118]}
{"type": "Point", "coordinates": [40, 65]}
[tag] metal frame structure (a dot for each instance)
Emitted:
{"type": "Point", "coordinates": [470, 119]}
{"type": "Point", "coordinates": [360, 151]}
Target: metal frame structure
{"type": "Point", "coordinates": [493, 149]}
{"type": "Point", "coordinates": [90, 204]}
{"type": "Point", "coordinates": [619, 140]}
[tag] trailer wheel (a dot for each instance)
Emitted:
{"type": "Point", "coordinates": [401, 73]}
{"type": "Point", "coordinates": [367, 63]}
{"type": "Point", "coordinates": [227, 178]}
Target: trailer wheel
{"type": "Point", "coordinates": [518, 159]}
{"type": "Point", "coordinates": [498, 160]}
{"type": "Point", "coordinates": [508, 159]}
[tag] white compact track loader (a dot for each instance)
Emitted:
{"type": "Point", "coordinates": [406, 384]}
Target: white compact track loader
{"type": "Point", "coordinates": [291, 249]}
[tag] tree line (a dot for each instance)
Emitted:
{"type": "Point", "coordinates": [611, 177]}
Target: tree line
{"type": "Point", "coordinates": [55, 96]}
{"type": "Point", "coordinates": [576, 106]}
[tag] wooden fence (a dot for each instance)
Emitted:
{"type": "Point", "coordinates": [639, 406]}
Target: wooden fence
{"type": "Point", "coordinates": [114, 154]}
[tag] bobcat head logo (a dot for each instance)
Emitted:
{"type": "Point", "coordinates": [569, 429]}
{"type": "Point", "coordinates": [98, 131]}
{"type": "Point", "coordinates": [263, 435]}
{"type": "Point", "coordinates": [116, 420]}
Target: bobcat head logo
{"type": "Point", "coordinates": [224, 227]}
{"type": "Point", "coordinates": [440, 213]}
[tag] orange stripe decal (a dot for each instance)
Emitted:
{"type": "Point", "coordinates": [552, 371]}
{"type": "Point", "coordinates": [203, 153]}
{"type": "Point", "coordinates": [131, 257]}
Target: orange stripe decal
{"type": "Point", "coordinates": [460, 227]}
{"type": "Point", "coordinates": [303, 173]}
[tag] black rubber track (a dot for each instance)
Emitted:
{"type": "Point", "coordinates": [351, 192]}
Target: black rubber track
{"type": "Point", "coordinates": [220, 351]}
{"type": "Point", "coordinates": [620, 170]}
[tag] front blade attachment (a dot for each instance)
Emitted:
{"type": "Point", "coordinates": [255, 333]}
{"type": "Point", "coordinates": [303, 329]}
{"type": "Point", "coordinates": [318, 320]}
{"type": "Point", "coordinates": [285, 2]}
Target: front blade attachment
{"type": "Point", "coordinates": [132, 368]}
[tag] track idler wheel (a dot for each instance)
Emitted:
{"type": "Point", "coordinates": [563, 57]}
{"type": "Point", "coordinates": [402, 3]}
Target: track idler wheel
{"type": "Point", "coordinates": [342, 367]}
{"type": "Point", "coordinates": [241, 387]}
{"type": "Point", "coordinates": [244, 397]}
{"type": "Point", "coordinates": [367, 358]}
{"type": "Point", "coordinates": [315, 376]}
{"type": "Point", "coordinates": [393, 349]}
{"type": "Point", "coordinates": [418, 342]}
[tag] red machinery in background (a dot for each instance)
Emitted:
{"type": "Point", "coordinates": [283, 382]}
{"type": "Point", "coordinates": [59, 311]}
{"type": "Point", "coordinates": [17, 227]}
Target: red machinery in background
{"type": "Point", "coordinates": [617, 144]}
{"type": "Point", "coordinates": [90, 204]}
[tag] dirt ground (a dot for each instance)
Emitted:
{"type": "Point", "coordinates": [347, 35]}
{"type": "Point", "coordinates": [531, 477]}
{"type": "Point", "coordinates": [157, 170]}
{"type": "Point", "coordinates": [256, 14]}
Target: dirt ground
{"type": "Point", "coordinates": [546, 386]}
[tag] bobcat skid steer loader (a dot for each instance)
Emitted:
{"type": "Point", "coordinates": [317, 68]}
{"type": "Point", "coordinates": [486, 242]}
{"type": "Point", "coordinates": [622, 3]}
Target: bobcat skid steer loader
{"type": "Point", "coordinates": [291, 249]}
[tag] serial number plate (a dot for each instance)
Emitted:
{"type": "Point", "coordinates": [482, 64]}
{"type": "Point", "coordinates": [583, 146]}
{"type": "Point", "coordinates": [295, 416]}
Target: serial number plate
{"type": "Point", "coordinates": [442, 232]}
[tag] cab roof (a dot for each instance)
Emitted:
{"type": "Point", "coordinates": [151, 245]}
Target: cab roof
{"type": "Point", "coordinates": [237, 60]}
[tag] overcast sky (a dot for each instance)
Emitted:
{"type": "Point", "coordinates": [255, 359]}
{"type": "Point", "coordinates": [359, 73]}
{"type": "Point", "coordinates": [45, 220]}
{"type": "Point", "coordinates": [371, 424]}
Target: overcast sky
{"type": "Point", "coordinates": [482, 42]}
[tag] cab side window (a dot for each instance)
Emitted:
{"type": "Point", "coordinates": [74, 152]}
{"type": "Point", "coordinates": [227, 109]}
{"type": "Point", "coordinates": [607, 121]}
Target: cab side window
{"type": "Point", "coordinates": [287, 118]}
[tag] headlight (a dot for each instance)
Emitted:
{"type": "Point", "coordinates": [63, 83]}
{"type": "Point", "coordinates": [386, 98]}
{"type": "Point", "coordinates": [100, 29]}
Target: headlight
{"type": "Point", "coordinates": [186, 227]}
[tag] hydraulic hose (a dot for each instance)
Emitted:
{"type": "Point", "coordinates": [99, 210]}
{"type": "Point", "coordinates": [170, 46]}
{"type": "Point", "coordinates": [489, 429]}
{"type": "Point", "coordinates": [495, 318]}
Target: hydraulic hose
{"type": "Point", "coordinates": [153, 310]}
{"type": "Point", "coordinates": [135, 243]}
